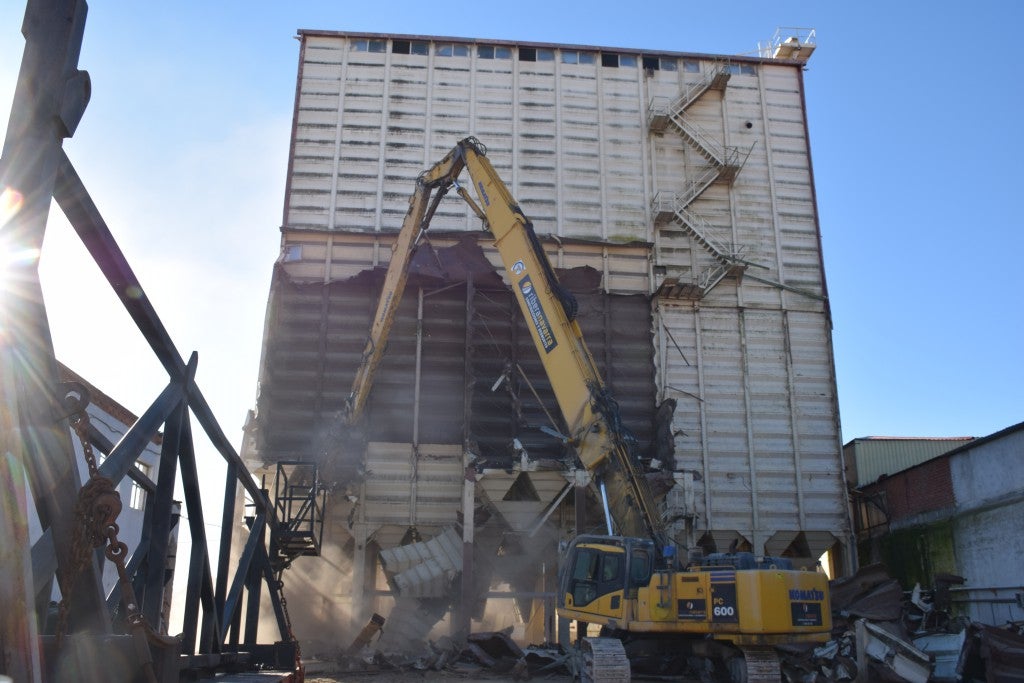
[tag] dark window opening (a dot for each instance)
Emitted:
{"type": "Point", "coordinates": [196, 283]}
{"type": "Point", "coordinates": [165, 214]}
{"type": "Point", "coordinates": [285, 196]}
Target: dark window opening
{"type": "Point", "coordinates": [650, 64]}
{"type": "Point", "coordinates": [527, 54]}
{"type": "Point", "coordinates": [409, 47]}
{"type": "Point", "coordinates": [611, 60]}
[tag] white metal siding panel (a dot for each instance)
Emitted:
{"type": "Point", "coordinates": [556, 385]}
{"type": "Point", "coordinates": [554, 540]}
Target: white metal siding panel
{"type": "Point", "coordinates": [622, 138]}
{"type": "Point", "coordinates": [403, 488]}
{"type": "Point", "coordinates": [817, 423]}
{"type": "Point", "coordinates": [755, 418]}
{"type": "Point", "coordinates": [567, 138]}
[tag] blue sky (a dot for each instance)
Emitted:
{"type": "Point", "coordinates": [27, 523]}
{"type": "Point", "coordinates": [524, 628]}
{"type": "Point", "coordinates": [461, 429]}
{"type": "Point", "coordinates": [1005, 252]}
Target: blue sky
{"type": "Point", "coordinates": [913, 112]}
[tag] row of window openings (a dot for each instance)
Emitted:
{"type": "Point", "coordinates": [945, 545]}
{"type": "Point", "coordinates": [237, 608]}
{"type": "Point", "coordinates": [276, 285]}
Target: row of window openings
{"type": "Point", "coordinates": [534, 54]}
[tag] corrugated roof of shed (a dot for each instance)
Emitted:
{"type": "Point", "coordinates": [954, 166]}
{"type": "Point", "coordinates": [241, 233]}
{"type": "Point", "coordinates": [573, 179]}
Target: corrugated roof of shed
{"type": "Point", "coordinates": [880, 455]}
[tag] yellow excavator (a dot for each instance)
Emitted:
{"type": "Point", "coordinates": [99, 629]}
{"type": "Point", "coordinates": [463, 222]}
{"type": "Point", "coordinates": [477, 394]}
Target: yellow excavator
{"type": "Point", "coordinates": [730, 607]}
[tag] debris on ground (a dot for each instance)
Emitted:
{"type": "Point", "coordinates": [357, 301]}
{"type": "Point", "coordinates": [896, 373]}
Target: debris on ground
{"type": "Point", "coordinates": [492, 652]}
{"type": "Point", "coordinates": [879, 633]}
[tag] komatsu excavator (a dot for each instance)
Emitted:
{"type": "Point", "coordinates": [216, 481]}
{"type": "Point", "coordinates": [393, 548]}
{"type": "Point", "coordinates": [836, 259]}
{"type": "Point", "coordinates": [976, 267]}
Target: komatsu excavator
{"type": "Point", "coordinates": [729, 607]}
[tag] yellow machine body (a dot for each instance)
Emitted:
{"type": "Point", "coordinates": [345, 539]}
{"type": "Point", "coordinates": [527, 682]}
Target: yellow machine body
{"type": "Point", "coordinates": [612, 582]}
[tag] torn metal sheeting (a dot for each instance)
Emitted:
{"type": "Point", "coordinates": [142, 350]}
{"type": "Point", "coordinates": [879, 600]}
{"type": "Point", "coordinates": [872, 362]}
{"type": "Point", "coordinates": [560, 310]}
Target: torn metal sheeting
{"type": "Point", "coordinates": [897, 655]}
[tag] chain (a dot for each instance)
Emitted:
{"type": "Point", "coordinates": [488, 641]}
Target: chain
{"type": "Point", "coordinates": [279, 585]}
{"type": "Point", "coordinates": [96, 513]}
{"type": "Point", "coordinates": [94, 507]}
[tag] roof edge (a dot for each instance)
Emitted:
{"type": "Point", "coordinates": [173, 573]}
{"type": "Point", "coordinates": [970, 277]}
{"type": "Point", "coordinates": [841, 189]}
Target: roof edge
{"type": "Point", "coordinates": [302, 33]}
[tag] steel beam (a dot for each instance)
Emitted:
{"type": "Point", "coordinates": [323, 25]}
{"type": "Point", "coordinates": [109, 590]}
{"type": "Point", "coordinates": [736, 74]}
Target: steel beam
{"type": "Point", "coordinates": [227, 524]}
{"type": "Point", "coordinates": [160, 521]}
{"type": "Point", "coordinates": [85, 218]}
{"type": "Point", "coordinates": [200, 584]}
{"type": "Point", "coordinates": [119, 462]}
{"type": "Point", "coordinates": [234, 598]}
{"type": "Point", "coordinates": [49, 101]}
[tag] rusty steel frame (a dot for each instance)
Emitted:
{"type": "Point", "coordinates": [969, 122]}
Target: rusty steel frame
{"type": "Point", "coordinates": [51, 96]}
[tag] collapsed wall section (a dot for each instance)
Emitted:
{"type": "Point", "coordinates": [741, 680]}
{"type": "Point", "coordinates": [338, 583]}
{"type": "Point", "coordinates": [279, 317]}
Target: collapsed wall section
{"type": "Point", "coordinates": [460, 367]}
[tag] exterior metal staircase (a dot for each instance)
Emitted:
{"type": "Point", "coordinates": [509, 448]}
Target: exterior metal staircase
{"type": "Point", "coordinates": [669, 208]}
{"type": "Point", "coordinates": [662, 107]}
{"type": "Point", "coordinates": [724, 164]}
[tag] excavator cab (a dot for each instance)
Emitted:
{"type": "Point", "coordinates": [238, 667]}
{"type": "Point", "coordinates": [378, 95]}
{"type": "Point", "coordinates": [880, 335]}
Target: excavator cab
{"type": "Point", "coordinates": [602, 573]}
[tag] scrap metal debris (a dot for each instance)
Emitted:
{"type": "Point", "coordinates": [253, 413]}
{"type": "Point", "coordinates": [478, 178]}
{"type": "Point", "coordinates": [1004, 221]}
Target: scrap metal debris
{"type": "Point", "coordinates": [882, 634]}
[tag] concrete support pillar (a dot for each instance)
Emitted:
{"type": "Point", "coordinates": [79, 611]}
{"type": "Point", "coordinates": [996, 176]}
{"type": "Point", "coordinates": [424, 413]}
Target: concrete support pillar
{"type": "Point", "coordinates": [360, 603]}
{"type": "Point", "coordinates": [464, 610]}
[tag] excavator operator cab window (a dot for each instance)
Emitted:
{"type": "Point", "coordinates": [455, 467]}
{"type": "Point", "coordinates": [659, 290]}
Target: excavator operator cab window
{"type": "Point", "coordinates": [595, 573]}
{"type": "Point", "coordinates": [611, 567]}
{"type": "Point", "coordinates": [639, 568]}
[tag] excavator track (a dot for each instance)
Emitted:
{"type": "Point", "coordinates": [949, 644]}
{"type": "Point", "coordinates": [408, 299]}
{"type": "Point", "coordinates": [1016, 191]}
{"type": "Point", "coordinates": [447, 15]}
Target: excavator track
{"type": "Point", "coordinates": [757, 665]}
{"type": "Point", "coordinates": [604, 661]}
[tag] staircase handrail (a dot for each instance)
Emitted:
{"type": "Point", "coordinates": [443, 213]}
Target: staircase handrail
{"type": "Point", "coordinates": [667, 106]}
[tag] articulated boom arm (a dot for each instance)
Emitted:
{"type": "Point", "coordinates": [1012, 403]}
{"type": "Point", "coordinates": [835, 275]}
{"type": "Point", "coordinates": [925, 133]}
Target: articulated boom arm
{"type": "Point", "coordinates": [417, 220]}
{"type": "Point", "coordinates": [587, 406]}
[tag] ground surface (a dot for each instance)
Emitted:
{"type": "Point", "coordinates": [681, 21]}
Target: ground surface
{"type": "Point", "coordinates": [375, 676]}
{"type": "Point", "coordinates": [418, 677]}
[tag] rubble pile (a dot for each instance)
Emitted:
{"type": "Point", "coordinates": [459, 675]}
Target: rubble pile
{"type": "Point", "coordinates": [491, 652]}
{"type": "Point", "coordinates": [881, 634]}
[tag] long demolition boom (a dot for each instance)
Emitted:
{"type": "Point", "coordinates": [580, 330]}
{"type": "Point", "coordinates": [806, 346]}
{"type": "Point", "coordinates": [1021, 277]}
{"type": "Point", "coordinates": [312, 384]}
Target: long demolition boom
{"type": "Point", "coordinates": [591, 414]}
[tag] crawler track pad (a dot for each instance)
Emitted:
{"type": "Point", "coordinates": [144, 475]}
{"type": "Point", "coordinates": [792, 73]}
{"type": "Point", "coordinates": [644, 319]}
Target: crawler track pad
{"type": "Point", "coordinates": [604, 661]}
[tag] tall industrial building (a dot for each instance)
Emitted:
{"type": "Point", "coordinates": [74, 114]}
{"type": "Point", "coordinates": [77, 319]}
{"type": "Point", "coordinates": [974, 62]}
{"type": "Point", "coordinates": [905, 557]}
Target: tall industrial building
{"type": "Point", "coordinates": [673, 192]}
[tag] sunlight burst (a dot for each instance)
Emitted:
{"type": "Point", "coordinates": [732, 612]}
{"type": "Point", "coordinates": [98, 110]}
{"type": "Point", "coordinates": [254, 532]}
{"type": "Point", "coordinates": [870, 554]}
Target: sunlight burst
{"type": "Point", "coordinates": [11, 256]}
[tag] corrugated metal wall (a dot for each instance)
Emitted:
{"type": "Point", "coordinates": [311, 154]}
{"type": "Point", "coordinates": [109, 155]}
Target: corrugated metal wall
{"type": "Point", "coordinates": [753, 420]}
{"type": "Point", "coordinates": [749, 362]}
{"type": "Point", "coordinates": [872, 457]}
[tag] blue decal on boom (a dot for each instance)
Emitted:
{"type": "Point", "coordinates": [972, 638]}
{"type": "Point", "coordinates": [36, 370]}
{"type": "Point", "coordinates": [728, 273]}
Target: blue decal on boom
{"type": "Point", "coordinates": [537, 315]}
{"type": "Point", "coordinates": [483, 193]}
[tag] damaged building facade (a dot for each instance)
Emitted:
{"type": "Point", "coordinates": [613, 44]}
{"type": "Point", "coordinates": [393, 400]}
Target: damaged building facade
{"type": "Point", "coordinates": [673, 193]}
{"type": "Point", "coordinates": [956, 514]}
